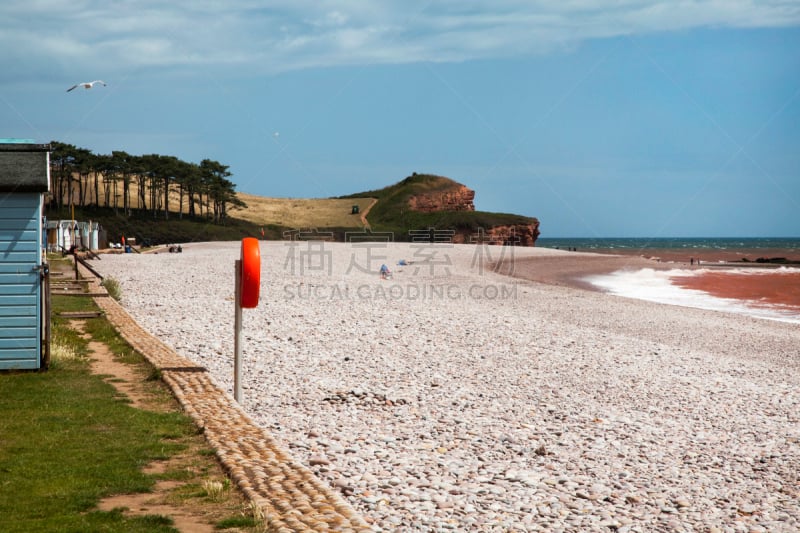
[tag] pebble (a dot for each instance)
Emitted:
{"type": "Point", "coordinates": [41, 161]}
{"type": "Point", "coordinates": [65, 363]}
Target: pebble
{"type": "Point", "coordinates": [553, 409]}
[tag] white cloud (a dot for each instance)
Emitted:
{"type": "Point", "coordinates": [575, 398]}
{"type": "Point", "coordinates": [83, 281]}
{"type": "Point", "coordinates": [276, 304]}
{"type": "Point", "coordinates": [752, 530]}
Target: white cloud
{"type": "Point", "coordinates": [331, 19]}
{"type": "Point", "coordinates": [305, 33]}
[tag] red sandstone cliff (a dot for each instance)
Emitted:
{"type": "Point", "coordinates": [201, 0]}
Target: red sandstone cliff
{"type": "Point", "coordinates": [514, 235]}
{"type": "Point", "coordinates": [458, 198]}
{"type": "Point", "coordinates": [504, 235]}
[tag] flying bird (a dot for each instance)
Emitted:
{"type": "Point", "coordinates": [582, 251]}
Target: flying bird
{"type": "Point", "coordinates": [87, 84]}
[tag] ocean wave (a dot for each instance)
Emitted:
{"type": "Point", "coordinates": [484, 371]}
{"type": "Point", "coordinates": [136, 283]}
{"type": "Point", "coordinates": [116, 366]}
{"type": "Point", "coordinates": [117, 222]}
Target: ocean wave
{"type": "Point", "coordinates": [657, 286]}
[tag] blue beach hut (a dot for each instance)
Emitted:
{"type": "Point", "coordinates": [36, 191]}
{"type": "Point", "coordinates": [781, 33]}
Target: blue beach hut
{"type": "Point", "coordinates": [24, 180]}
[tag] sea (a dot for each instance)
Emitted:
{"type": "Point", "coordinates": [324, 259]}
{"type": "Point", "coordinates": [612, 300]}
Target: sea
{"type": "Point", "coordinates": [643, 244]}
{"type": "Point", "coordinates": [720, 274]}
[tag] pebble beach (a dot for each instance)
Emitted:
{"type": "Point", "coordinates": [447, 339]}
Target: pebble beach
{"type": "Point", "coordinates": [451, 397]}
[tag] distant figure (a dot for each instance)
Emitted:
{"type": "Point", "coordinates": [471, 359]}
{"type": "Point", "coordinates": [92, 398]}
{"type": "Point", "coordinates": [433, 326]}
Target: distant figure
{"type": "Point", "coordinates": [385, 272]}
{"type": "Point", "coordinates": [87, 84]}
{"type": "Point", "coordinates": [691, 260]}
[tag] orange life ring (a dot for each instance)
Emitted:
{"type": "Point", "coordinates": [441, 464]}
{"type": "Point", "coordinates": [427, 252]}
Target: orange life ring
{"type": "Point", "coordinates": [251, 272]}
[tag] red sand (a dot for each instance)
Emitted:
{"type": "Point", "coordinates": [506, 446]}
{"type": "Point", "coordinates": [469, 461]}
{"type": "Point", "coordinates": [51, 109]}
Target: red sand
{"type": "Point", "coordinates": [762, 287]}
{"type": "Point", "coordinates": [759, 286]}
{"type": "Point", "coordinates": [707, 255]}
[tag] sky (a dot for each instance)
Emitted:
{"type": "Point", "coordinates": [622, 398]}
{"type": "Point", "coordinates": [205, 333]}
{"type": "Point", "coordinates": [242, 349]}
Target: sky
{"type": "Point", "coordinates": [630, 118]}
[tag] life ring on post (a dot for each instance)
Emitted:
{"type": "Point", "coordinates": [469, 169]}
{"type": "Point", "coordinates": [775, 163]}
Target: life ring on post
{"type": "Point", "coordinates": [251, 273]}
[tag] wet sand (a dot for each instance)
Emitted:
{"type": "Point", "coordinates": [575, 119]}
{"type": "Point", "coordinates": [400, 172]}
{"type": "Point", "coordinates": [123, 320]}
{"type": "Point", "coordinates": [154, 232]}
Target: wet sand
{"type": "Point", "coordinates": [569, 268]}
{"type": "Point", "coordinates": [757, 284]}
{"type": "Point", "coordinates": [763, 287]}
{"type": "Point", "coordinates": [705, 255]}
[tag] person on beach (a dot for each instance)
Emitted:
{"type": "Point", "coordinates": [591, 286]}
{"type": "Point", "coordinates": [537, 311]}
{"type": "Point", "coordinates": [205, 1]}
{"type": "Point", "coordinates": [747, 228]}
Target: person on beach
{"type": "Point", "coordinates": [385, 272]}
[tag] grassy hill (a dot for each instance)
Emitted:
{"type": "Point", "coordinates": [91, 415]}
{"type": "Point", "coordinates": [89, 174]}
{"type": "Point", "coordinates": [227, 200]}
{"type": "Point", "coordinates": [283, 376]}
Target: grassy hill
{"type": "Point", "coordinates": [303, 212]}
{"type": "Point", "coordinates": [391, 212]}
{"type": "Point", "coordinates": [273, 216]}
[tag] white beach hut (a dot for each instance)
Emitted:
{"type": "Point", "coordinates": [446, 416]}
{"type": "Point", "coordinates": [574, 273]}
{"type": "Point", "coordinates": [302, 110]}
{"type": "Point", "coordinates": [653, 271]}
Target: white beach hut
{"type": "Point", "coordinates": [62, 234]}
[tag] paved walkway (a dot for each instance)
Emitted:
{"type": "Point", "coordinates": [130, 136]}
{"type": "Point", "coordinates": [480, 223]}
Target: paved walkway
{"type": "Point", "coordinates": [291, 497]}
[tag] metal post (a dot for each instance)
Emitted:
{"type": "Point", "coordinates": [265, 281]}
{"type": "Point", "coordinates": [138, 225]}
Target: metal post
{"type": "Point", "coordinates": [237, 339]}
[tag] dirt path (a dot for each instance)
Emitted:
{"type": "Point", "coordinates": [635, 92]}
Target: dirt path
{"type": "Point", "coordinates": [366, 212]}
{"type": "Point", "coordinates": [122, 376]}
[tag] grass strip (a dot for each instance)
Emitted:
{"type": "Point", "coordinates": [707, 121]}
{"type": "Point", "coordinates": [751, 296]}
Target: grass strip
{"type": "Point", "coordinates": [69, 439]}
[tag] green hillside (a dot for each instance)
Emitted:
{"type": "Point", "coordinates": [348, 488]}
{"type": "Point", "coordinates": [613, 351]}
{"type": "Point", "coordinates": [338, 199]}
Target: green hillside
{"type": "Point", "coordinates": [391, 212]}
{"type": "Point", "coordinates": [274, 216]}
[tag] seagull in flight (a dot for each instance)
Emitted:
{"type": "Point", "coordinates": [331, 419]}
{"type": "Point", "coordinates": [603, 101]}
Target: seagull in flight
{"type": "Point", "coordinates": [87, 84]}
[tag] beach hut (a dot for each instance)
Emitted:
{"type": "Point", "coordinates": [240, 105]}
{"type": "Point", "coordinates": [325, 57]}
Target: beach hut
{"type": "Point", "coordinates": [63, 234]}
{"type": "Point", "coordinates": [24, 180]}
{"type": "Point", "coordinates": [60, 235]}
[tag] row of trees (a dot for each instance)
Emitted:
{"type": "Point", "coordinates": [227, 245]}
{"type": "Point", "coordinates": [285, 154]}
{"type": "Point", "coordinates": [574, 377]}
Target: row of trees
{"type": "Point", "coordinates": [80, 177]}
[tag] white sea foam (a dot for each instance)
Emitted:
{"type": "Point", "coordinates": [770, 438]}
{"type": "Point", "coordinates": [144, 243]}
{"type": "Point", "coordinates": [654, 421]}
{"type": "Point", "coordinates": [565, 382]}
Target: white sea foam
{"type": "Point", "coordinates": [657, 286]}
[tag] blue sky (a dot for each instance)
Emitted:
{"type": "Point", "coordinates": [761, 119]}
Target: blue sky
{"type": "Point", "coordinates": [602, 119]}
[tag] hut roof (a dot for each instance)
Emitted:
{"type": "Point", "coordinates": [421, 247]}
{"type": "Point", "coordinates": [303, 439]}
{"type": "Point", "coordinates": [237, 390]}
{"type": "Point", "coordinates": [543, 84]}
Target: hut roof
{"type": "Point", "coordinates": [24, 167]}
